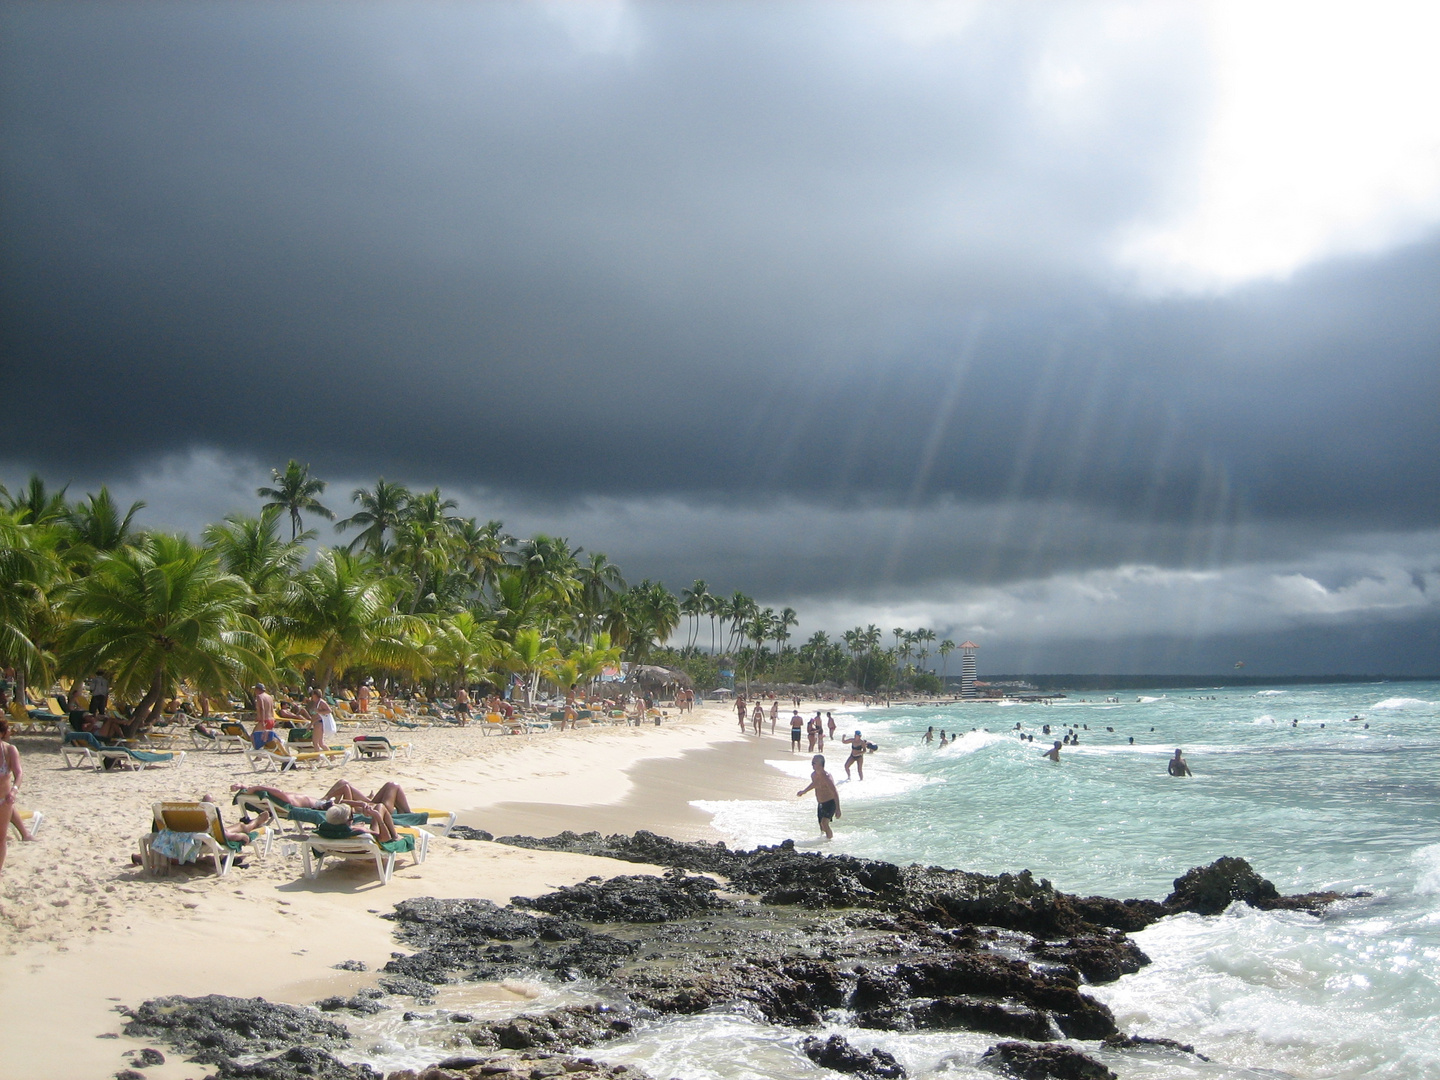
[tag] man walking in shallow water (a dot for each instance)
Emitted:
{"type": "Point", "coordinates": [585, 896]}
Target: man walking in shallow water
{"type": "Point", "coordinates": [827, 798]}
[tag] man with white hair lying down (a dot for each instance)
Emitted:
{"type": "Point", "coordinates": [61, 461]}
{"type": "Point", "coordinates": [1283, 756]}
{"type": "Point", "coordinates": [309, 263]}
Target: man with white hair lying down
{"type": "Point", "coordinates": [341, 818]}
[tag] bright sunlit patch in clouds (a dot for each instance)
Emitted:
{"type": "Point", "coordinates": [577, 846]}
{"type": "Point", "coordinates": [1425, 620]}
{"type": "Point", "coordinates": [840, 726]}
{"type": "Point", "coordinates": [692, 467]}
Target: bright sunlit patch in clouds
{"type": "Point", "coordinates": [1324, 139]}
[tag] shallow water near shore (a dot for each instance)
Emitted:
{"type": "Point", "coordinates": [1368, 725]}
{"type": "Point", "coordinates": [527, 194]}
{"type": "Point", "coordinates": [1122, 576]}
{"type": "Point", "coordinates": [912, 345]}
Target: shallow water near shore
{"type": "Point", "coordinates": [1284, 778]}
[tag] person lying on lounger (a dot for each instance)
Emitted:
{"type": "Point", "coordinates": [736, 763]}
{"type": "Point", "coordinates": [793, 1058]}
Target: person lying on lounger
{"type": "Point", "coordinates": [342, 815]}
{"type": "Point", "coordinates": [390, 795]}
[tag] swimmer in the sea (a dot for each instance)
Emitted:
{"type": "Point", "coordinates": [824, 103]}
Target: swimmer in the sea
{"type": "Point", "coordinates": [1177, 765]}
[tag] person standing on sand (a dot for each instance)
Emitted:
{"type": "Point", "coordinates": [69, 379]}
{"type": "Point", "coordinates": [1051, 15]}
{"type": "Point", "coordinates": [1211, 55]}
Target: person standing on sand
{"type": "Point", "coordinates": [830, 718]}
{"type": "Point", "coordinates": [99, 693]}
{"type": "Point", "coordinates": [797, 725]}
{"type": "Point", "coordinates": [827, 798]}
{"type": "Point", "coordinates": [264, 716]}
{"type": "Point", "coordinates": [741, 712]}
{"type": "Point", "coordinates": [10, 777]}
{"type": "Point", "coordinates": [1053, 753]}
{"type": "Point", "coordinates": [1177, 765]}
{"type": "Point", "coordinates": [774, 714]}
{"type": "Point", "coordinates": [757, 719]}
{"type": "Point", "coordinates": [462, 707]}
{"type": "Point", "coordinates": [322, 720]}
{"type": "Point", "coordinates": [364, 695]}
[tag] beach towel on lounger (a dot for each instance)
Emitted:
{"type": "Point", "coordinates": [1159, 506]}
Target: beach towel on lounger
{"type": "Point", "coordinates": [182, 847]}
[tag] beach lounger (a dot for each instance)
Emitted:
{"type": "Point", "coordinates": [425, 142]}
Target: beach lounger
{"type": "Point", "coordinates": [32, 819]}
{"type": "Point", "coordinates": [342, 842]}
{"type": "Point", "coordinates": [278, 755]}
{"type": "Point", "coordinates": [378, 748]}
{"type": "Point", "coordinates": [130, 758]}
{"type": "Point", "coordinates": [200, 823]}
{"type": "Point", "coordinates": [80, 748]}
{"type": "Point", "coordinates": [234, 737]}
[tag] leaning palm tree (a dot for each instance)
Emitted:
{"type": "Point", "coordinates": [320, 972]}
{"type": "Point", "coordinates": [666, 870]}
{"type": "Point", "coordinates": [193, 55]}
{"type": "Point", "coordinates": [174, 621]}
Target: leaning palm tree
{"type": "Point", "coordinates": [381, 509]}
{"type": "Point", "coordinates": [298, 492]}
{"type": "Point", "coordinates": [158, 612]}
{"type": "Point", "coordinates": [946, 648]}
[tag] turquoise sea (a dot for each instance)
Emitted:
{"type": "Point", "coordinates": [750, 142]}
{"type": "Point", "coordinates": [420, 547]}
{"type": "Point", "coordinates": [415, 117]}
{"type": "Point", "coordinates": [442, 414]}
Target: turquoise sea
{"type": "Point", "coordinates": [1284, 778]}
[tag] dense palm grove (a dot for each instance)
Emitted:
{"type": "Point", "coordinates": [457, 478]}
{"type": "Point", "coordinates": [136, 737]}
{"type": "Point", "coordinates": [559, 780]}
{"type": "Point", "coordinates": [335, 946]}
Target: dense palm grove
{"type": "Point", "coordinates": [415, 595]}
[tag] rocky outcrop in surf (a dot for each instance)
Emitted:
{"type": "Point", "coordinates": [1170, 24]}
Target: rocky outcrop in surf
{"type": "Point", "coordinates": [792, 937]}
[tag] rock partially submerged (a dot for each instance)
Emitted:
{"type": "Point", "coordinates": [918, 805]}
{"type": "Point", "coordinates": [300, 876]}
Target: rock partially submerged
{"type": "Point", "coordinates": [1209, 890]}
{"type": "Point", "coordinates": [530, 1066]}
{"type": "Point", "coordinates": [837, 1053]}
{"type": "Point", "coordinates": [784, 875]}
{"type": "Point", "coordinates": [1044, 1062]}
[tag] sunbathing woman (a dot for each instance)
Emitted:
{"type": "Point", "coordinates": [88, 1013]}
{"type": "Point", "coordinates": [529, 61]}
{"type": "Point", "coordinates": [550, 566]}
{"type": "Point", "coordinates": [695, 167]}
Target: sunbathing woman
{"type": "Point", "coordinates": [390, 795]}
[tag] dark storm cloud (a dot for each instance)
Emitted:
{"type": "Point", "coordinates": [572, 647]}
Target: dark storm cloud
{"type": "Point", "coordinates": [722, 252]}
{"type": "Point", "coordinates": [804, 300]}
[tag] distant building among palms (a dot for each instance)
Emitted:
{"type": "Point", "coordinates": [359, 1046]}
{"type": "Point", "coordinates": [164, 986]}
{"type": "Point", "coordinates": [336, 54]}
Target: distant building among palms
{"type": "Point", "coordinates": [967, 668]}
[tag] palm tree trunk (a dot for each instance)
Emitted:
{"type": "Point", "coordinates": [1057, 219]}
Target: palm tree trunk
{"type": "Point", "coordinates": [149, 704]}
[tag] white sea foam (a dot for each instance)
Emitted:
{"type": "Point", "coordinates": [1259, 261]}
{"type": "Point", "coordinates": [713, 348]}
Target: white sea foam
{"type": "Point", "coordinates": [1427, 866]}
{"type": "Point", "coordinates": [1148, 700]}
{"type": "Point", "coordinates": [1270, 693]}
{"type": "Point", "coordinates": [1403, 703]}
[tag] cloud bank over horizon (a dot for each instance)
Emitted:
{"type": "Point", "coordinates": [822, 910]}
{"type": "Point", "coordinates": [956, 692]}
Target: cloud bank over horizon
{"type": "Point", "coordinates": [1104, 333]}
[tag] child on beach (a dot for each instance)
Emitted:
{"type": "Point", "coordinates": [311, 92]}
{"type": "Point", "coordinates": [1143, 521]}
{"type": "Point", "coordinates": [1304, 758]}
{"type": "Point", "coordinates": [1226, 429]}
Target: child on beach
{"type": "Point", "coordinates": [827, 798]}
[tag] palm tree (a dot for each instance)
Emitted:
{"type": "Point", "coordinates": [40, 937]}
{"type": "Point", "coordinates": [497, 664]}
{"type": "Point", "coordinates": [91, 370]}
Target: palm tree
{"type": "Point", "coordinates": [35, 505]}
{"type": "Point", "coordinates": [923, 638]}
{"type": "Point", "coordinates": [600, 580]}
{"type": "Point", "coordinates": [342, 607]}
{"type": "Point", "coordinates": [532, 655]}
{"type": "Point", "coordinates": [462, 647]}
{"type": "Point", "coordinates": [98, 525]}
{"type": "Point", "coordinates": [692, 604]}
{"type": "Point", "coordinates": [592, 658]}
{"type": "Point", "coordinates": [946, 648]}
{"type": "Point", "coordinates": [381, 509]}
{"type": "Point", "coordinates": [251, 549]}
{"type": "Point", "coordinates": [480, 549]}
{"type": "Point", "coordinates": [297, 491]}
{"type": "Point", "coordinates": [160, 611]}
{"type": "Point", "coordinates": [30, 571]}
{"type": "Point", "coordinates": [783, 622]}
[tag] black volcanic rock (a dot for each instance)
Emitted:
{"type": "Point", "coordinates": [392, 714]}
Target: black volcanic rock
{"type": "Point", "coordinates": [1026, 1061]}
{"type": "Point", "coordinates": [837, 1053]}
{"type": "Point", "coordinates": [215, 1028]}
{"type": "Point", "coordinates": [297, 1063]}
{"type": "Point", "coordinates": [1209, 890]}
{"type": "Point", "coordinates": [632, 898]}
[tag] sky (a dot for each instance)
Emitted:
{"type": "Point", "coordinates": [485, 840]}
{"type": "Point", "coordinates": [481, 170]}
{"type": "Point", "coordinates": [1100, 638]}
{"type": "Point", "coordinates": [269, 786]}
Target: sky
{"type": "Point", "coordinates": [1105, 335]}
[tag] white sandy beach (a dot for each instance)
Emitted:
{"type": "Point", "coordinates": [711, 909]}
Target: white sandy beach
{"type": "Point", "coordinates": [85, 930]}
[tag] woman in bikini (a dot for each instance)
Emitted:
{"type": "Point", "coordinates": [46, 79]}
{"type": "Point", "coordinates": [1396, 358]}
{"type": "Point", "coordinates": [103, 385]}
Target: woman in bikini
{"type": "Point", "coordinates": [10, 776]}
{"type": "Point", "coordinates": [857, 754]}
